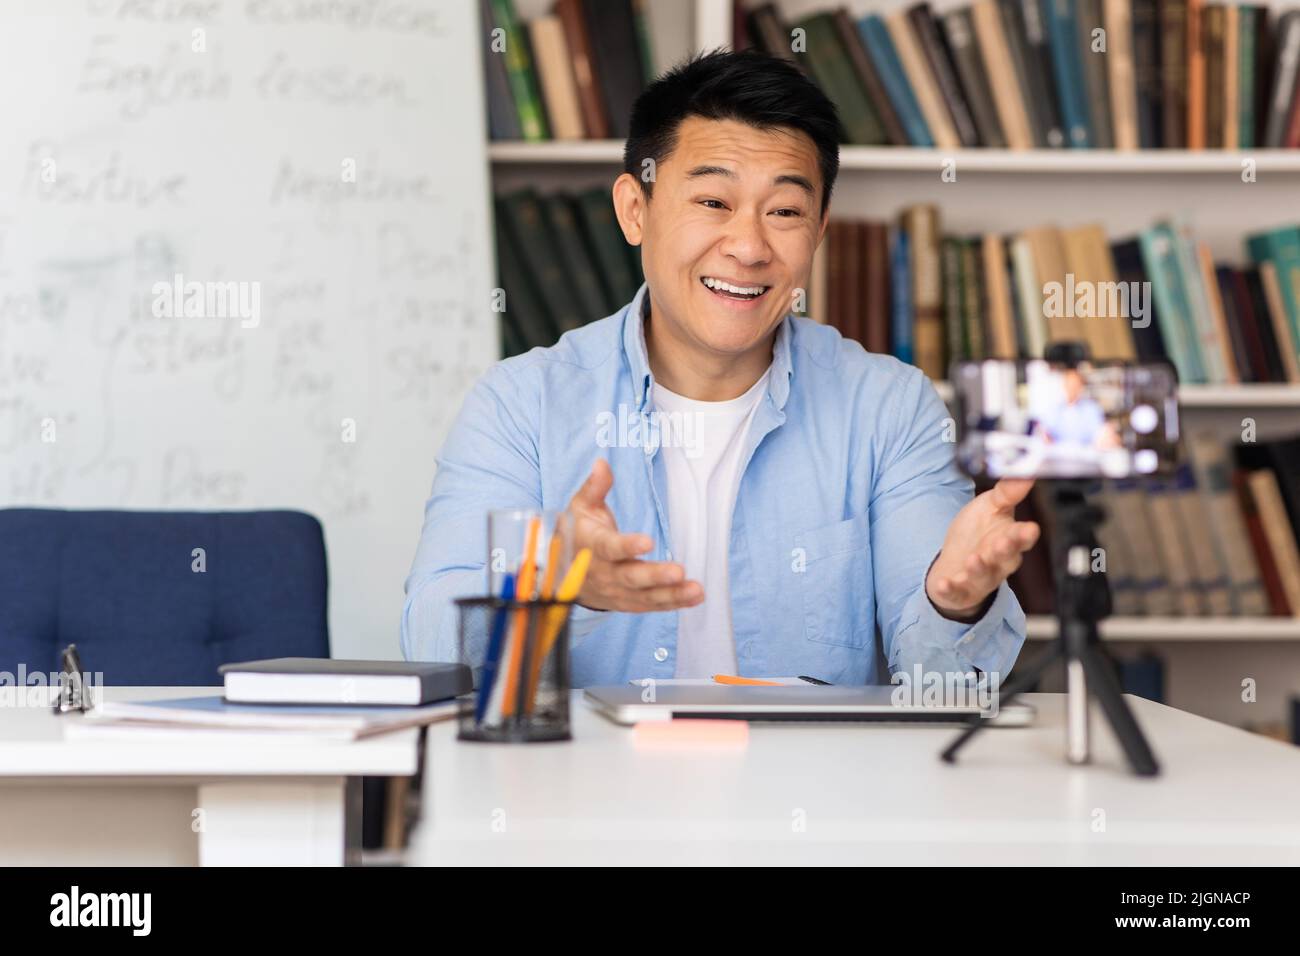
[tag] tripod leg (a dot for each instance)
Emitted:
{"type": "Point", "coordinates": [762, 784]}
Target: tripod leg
{"type": "Point", "coordinates": [1104, 686]}
{"type": "Point", "coordinates": [1018, 686]}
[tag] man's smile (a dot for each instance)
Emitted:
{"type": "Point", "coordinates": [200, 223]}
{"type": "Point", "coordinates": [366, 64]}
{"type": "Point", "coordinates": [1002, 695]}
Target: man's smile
{"type": "Point", "coordinates": [735, 291]}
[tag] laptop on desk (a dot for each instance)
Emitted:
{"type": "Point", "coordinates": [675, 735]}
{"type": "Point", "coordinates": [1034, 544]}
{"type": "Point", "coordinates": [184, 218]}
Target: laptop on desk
{"type": "Point", "coordinates": [630, 704]}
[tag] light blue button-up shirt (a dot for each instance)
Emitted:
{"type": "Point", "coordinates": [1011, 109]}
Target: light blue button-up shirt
{"type": "Point", "coordinates": [847, 487]}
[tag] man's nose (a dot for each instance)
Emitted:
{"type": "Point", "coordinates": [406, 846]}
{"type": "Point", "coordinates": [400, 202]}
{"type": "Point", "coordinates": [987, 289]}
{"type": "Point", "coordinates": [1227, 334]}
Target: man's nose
{"type": "Point", "coordinates": [746, 241]}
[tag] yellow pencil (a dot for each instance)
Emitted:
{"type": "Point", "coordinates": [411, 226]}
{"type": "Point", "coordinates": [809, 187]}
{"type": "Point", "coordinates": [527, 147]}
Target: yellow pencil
{"type": "Point", "coordinates": [570, 588]}
{"type": "Point", "coordinates": [547, 591]}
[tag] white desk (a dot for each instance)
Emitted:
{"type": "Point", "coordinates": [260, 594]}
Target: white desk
{"type": "Point", "coordinates": [164, 799]}
{"type": "Point", "coordinates": [828, 794]}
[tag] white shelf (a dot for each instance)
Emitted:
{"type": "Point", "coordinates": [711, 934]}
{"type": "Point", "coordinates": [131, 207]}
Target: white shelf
{"type": "Point", "coordinates": [1073, 161]}
{"type": "Point", "coordinates": [1232, 396]}
{"type": "Point", "coordinates": [1212, 396]}
{"type": "Point", "coordinates": [1120, 629]}
{"type": "Point", "coordinates": [910, 159]}
{"type": "Point", "coordinates": [595, 151]}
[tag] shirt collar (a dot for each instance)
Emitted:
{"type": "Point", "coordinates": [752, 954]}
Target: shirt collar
{"type": "Point", "coordinates": [778, 382]}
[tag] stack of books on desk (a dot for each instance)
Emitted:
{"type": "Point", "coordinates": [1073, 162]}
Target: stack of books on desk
{"type": "Point", "coordinates": [317, 698]}
{"type": "Point", "coordinates": [205, 714]}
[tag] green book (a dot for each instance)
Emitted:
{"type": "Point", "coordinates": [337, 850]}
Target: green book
{"type": "Point", "coordinates": [574, 257]}
{"type": "Point", "coordinates": [1160, 256]}
{"type": "Point", "coordinates": [605, 242]}
{"type": "Point", "coordinates": [1247, 30]}
{"type": "Point", "coordinates": [537, 247]}
{"type": "Point", "coordinates": [954, 325]}
{"type": "Point", "coordinates": [1282, 248]}
{"type": "Point", "coordinates": [834, 73]}
{"type": "Point", "coordinates": [525, 316]}
{"type": "Point", "coordinates": [520, 73]}
{"type": "Point", "coordinates": [1210, 347]}
{"type": "Point", "coordinates": [643, 43]}
{"type": "Point", "coordinates": [972, 295]}
{"type": "Point", "coordinates": [512, 341]}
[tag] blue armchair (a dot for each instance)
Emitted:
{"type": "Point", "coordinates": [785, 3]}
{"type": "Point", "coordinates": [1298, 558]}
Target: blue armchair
{"type": "Point", "coordinates": [160, 597]}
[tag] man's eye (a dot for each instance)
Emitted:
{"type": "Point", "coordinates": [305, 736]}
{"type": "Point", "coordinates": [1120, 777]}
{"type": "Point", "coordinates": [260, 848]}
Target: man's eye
{"type": "Point", "coordinates": [788, 213]}
{"type": "Point", "coordinates": [712, 203]}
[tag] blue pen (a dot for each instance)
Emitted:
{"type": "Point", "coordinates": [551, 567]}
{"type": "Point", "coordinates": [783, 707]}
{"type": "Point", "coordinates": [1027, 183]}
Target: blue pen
{"type": "Point", "coordinates": [494, 649]}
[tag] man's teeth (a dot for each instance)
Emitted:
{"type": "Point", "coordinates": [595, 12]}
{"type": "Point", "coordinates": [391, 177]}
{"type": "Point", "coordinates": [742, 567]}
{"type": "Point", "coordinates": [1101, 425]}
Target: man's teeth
{"type": "Point", "coordinates": [721, 286]}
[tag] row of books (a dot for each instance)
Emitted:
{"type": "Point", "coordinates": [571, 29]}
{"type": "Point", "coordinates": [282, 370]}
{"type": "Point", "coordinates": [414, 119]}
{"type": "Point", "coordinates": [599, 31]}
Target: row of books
{"type": "Point", "coordinates": [562, 261]}
{"type": "Point", "coordinates": [1022, 74]}
{"type": "Point", "coordinates": [572, 74]}
{"type": "Point", "coordinates": [1219, 538]}
{"type": "Point", "coordinates": [928, 298]}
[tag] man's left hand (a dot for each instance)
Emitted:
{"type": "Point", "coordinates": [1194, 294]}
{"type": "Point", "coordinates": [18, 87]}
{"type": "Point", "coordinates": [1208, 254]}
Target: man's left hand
{"type": "Point", "coordinates": [984, 546]}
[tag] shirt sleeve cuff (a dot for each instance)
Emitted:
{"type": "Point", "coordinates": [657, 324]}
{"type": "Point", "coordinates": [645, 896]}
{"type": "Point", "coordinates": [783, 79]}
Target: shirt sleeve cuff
{"type": "Point", "coordinates": [989, 644]}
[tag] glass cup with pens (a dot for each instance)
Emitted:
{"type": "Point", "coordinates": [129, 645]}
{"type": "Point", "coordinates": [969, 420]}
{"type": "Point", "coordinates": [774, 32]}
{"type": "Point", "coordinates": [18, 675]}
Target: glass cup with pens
{"type": "Point", "coordinates": [516, 639]}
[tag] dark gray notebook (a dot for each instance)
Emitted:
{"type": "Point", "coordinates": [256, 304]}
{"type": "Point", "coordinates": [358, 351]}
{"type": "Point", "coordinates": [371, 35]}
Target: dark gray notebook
{"type": "Point", "coordinates": [316, 680]}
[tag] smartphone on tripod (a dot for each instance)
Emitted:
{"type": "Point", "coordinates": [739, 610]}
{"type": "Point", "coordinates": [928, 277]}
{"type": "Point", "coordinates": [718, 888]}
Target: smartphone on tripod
{"type": "Point", "coordinates": [1069, 420]}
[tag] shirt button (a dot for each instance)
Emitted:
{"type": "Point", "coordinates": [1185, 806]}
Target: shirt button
{"type": "Point", "coordinates": [661, 654]}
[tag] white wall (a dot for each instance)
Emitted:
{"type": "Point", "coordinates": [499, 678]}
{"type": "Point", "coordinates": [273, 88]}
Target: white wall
{"type": "Point", "coordinates": [337, 168]}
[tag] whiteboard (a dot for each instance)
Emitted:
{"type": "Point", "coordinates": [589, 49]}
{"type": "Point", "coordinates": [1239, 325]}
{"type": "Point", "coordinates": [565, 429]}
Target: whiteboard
{"type": "Point", "coordinates": [309, 181]}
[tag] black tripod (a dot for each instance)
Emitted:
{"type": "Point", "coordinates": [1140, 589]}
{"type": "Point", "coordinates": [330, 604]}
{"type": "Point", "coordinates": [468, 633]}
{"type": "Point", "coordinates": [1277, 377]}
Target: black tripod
{"type": "Point", "coordinates": [1083, 599]}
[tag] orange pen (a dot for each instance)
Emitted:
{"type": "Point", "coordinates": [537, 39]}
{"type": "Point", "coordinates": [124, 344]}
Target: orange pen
{"type": "Point", "coordinates": [519, 631]}
{"type": "Point", "coordinates": [743, 681]}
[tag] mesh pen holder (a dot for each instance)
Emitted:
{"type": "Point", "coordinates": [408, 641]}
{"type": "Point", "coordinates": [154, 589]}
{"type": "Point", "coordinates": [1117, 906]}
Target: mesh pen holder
{"type": "Point", "coordinates": [519, 654]}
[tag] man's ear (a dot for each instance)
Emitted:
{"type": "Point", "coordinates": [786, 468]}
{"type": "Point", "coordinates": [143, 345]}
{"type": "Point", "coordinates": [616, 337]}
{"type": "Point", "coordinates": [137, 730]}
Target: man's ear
{"type": "Point", "coordinates": [821, 230]}
{"type": "Point", "coordinates": [630, 208]}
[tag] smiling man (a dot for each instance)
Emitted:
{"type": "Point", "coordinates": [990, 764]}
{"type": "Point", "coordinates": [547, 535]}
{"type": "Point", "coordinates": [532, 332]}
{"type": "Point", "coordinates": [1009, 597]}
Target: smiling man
{"type": "Point", "coordinates": [800, 497]}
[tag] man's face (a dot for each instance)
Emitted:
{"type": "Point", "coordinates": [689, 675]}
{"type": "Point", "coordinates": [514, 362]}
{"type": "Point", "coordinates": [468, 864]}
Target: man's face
{"type": "Point", "coordinates": [1072, 382]}
{"type": "Point", "coordinates": [729, 234]}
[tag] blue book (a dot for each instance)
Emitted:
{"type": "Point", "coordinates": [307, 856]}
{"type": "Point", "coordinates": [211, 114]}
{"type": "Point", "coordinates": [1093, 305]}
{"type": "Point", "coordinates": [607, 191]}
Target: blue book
{"type": "Point", "coordinates": [1160, 255]}
{"type": "Point", "coordinates": [875, 36]}
{"type": "Point", "coordinates": [1143, 676]}
{"type": "Point", "coordinates": [900, 273]}
{"type": "Point", "coordinates": [1062, 21]}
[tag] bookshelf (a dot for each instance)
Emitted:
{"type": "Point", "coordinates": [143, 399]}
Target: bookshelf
{"type": "Point", "coordinates": [1008, 190]}
{"type": "Point", "coordinates": [907, 159]}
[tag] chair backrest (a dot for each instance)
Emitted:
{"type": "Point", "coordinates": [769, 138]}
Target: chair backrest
{"type": "Point", "coordinates": [160, 597]}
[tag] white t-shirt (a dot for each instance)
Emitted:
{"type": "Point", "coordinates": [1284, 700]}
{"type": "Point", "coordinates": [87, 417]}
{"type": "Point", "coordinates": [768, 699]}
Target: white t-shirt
{"type": "Point", "coordinates": [702, 444]}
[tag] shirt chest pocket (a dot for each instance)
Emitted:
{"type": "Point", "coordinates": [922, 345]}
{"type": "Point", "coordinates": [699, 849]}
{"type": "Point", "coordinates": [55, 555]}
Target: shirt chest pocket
{"type": "Point", "coordinates": [836, 583]}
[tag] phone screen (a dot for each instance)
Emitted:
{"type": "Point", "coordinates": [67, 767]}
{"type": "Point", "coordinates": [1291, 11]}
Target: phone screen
{"type": "Point", "coordinates": [1037, 419]}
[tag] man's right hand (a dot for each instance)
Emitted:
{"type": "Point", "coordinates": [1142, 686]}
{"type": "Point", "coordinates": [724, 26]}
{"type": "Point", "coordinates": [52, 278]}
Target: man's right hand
{"type": "Point", "coordinates": [618, 579]}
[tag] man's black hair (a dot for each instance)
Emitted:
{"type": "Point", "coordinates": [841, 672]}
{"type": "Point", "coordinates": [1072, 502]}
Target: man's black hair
{"type": "Point", "coordinates": [751, 87]}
